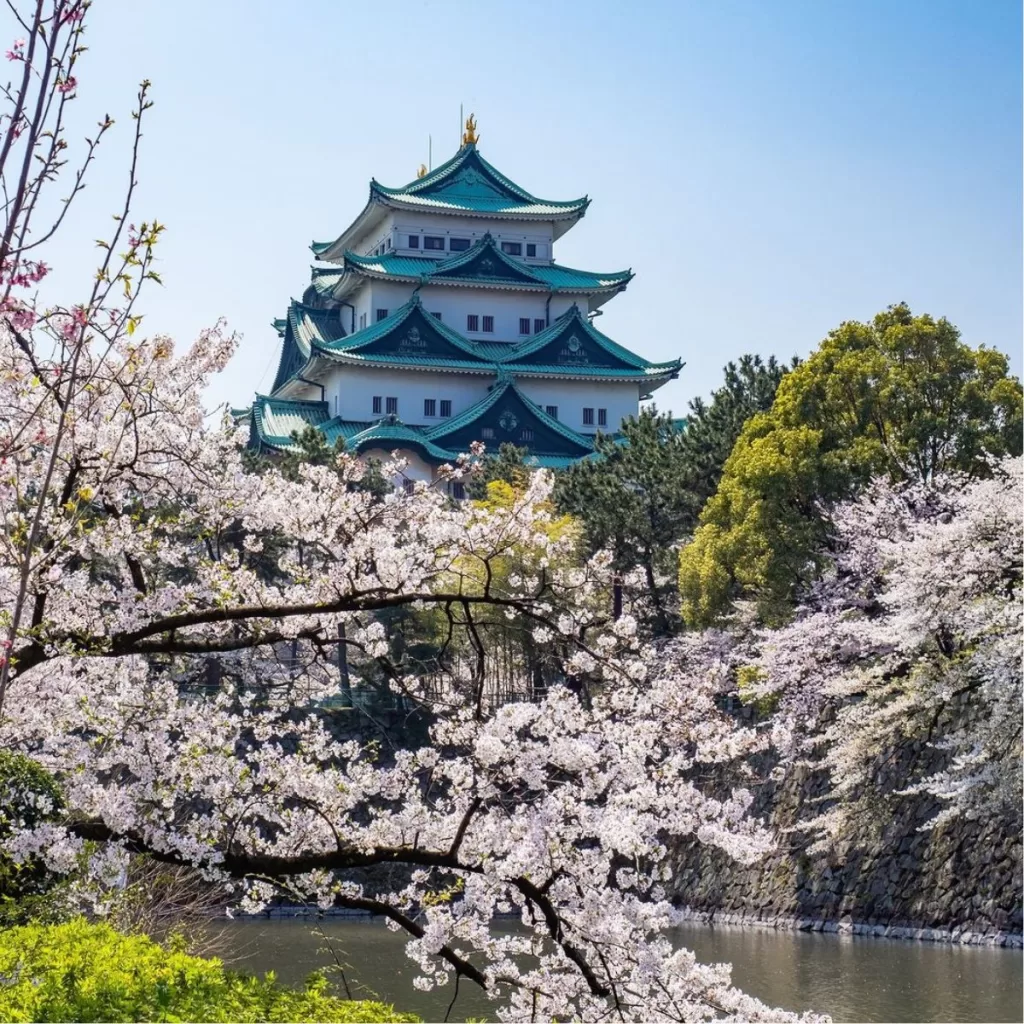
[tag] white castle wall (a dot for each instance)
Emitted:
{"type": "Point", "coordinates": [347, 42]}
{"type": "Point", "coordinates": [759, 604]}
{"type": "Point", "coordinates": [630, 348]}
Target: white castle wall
{"type": "Point", "coordinates": [621, 399]}
{"type": "Point", "coordinates": [399, 224]}
{"type": "Point", "coordinates": [454, 304]}
{"type": "Point", "coordinates": [349, 392]}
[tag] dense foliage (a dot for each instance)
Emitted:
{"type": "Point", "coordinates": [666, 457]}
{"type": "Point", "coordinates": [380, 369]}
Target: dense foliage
{"type": "Point", "coordinates": [88, 972]}
{"type": "Point", "coordinates": [29, 795]}
{"type": "Point", "coordinates": [913, 636]}
{"type": "Point", "coordinates": [176, 613]}
{"type": "Point", "coordinates": [172, 617]}
{"type": "Point", "coordinates": [642, 495]}
{"type": "Point", "coordinates": [900, 397]}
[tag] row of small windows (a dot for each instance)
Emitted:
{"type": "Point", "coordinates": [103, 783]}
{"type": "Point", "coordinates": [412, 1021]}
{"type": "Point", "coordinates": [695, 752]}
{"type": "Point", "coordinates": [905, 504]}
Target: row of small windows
{"type": "Point", "coordinates": [434, 408]}
{"type": "Point", "coordinates": [474, 322]}
{"type": "Point", "coordinates": [456, 488]}
{"type": "Point", "coordinates": [487, 434]}
{"type": "Point", "coordinates": [383, 404]}
{"type": "Point", "coordinates": [436, 243]}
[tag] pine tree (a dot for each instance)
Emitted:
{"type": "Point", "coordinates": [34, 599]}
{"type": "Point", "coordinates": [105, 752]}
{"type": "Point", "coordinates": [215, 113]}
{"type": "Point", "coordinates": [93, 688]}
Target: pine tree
{"type": "Point", "coordinates": [642, 493]}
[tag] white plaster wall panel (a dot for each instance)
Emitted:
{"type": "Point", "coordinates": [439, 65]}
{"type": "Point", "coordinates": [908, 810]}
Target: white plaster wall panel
{"type": "Point", "coordinates": [621, 399]}
{"type": "Point", "coordinates": [354, 387]}
{"type": "Point", "coordinates": [507, 307]}
{"type": "Point", "coordinates": [403, 223]}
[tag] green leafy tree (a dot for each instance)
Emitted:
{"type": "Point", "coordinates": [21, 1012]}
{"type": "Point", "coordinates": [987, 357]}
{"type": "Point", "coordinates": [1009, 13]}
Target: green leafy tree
{"type": "Point", "coordinates": [509, 465]}
{"type": "Point", "coordinates": [89, 972]}
{"type": "Point", "coordinates": [643, 493]}
{"type": "Point", "coordinates": [901, 396]}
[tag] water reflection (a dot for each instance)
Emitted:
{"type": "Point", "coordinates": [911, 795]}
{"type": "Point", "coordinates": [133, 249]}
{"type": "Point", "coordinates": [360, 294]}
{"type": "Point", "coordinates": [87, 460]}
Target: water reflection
{"type": "Point", "coordinates": [850, 977]}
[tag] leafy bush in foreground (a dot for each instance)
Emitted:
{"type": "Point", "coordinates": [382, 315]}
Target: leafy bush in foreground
{"type": "Point", "coordinates": [89, 972]}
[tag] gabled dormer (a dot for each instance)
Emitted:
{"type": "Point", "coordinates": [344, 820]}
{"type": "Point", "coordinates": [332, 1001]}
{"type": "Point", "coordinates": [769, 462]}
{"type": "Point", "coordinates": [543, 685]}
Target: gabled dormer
{"type": "Point", "coordinates": [304, 327]}
{"type": "Point", "coordinates": [465, 186]}
{"type": "Point", "coordinates": [468, 184]}
{"type": "Point", "coordinates": [507, 415]}
{"type": "Point", "coordinates": [484, 261]}
{"type": "Point", "coordinates": [408, 333]}
{"type": "Point", "coordinates": [572, 340]}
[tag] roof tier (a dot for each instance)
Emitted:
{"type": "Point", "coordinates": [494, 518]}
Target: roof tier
{"type": "Point", "coordinates": [466, 185]}
{"type": "Point", "coordinates": [505, 414]}
{"type": "Point", "coordinates": [482, 265]}
{"type": "Point", "coordinates": [303, 327]}
{"type": "Point", "coordinates": [411, 338]}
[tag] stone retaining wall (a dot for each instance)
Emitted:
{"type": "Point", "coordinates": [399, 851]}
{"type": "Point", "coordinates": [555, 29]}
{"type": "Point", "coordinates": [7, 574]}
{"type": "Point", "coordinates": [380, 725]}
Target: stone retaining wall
{"type": "Point", "coordinates": [960, 882]}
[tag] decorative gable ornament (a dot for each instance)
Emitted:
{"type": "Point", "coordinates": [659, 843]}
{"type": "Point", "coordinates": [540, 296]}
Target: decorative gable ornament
{"type": "Point", "coordinates": [573, 351]}
{"type": "Point", "coordinates": [508, 421]}
{"type": "Point", "coordinates": [413, 340]}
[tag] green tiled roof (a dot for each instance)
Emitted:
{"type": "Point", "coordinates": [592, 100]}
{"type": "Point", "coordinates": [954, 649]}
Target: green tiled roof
{"type": "Point", "coordinates": [274, 419]}
{"type": "Point", "coordinates": [484, 263]}
{"type": "Point", "coordinates": [325, 278]}
{"type": "Point", "coordinates": [467, 183]}
{"type": "Point", "coordinates": [411, 338]}
{"type": "Point", "coordinates": [425, 332]}
{"type": "Point", "coordinates": [391, 433]}
{"type": "Point", "coordinates": [345, 429]}
{"type": "Point", "coordinates": [303, 328]}
{"type": "Point", "coordinates": [506, 388]}
{"type": "Point", "coordinates": [589, 341]}
{"type": "Point", "coordinates": [411, 362]}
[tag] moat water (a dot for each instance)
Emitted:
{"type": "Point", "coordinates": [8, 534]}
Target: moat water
{"type": "Point", "coordinates": [852, 978]}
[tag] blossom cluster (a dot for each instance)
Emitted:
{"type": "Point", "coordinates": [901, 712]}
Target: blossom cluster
{"type": "Point", "coordinates": [158, 553]}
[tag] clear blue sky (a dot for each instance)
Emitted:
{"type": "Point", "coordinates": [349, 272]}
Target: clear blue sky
{"type": "Point", "coordinates": [767, 169]}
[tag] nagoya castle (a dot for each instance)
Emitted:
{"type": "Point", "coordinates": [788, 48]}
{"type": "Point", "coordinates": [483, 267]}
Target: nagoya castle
{"type": "Point", "coordinates": [440, 317]}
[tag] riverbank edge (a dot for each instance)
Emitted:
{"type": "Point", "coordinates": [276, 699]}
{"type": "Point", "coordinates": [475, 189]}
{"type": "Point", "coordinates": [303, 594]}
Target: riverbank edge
{"type": "Point", "coordinates": [844, 926]}
{"type": "Point", "coordinates": [847, 926]}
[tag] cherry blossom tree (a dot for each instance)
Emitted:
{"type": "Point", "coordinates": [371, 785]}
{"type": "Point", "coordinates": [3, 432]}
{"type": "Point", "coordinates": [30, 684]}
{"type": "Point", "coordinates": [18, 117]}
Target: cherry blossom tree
{"type": "Point", "coordinates": [915, 635]}
{"type": "Point", "coordinates": [139, 552]}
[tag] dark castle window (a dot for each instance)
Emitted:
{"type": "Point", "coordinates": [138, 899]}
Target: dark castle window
{"type": "Point", "coordinates": [588, 417]}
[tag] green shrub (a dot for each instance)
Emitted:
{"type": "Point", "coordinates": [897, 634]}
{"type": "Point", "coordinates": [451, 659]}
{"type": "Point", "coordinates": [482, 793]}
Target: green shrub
{"type": "Point", "coordinates": [80, 971]}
